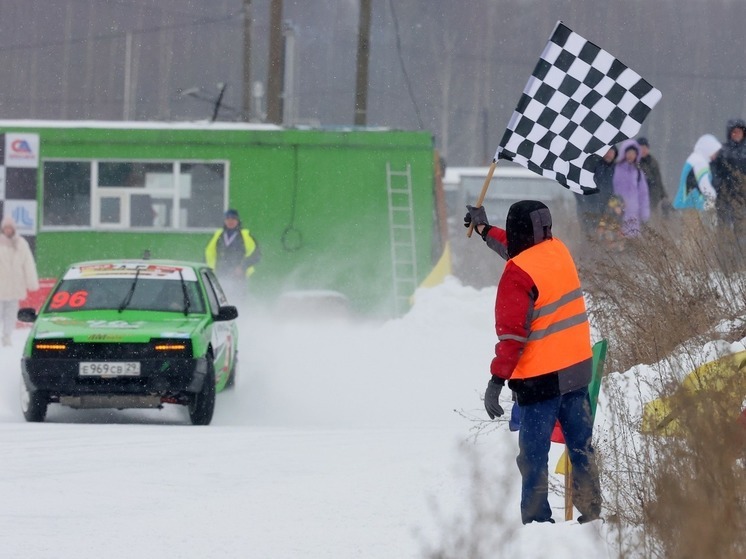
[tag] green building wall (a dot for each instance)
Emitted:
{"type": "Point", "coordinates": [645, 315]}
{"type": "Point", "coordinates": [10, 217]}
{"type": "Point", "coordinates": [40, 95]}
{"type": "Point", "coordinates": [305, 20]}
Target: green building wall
{"type": "Point", "coordinates": [315, 200]}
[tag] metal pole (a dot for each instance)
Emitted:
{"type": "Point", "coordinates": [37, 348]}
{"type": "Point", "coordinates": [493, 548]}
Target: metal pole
{"type": "Point", "coordinates": [275, 70]}
{"type": "Point", "coordinates": [288, 93]}
{"type": "Point", "coordinates": [127, 75]}
{"type": "Point", "coordinates": [363, 54]}
{"type": "Point", "coordinates": [246, 83]}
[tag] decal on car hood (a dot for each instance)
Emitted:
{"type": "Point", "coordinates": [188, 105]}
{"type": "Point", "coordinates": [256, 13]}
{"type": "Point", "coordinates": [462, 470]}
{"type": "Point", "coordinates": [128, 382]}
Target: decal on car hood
{"type": "Point", "coordinates": [115, 330]}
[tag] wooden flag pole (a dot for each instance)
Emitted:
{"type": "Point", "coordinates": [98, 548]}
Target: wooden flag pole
{"type": "Point", "coordinates": [482, 194]}
{"type": "Point", "coordinates": [568, 486]}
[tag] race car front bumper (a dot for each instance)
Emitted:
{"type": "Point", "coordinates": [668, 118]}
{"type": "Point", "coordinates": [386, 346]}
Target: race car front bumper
{"type": "Point", "coordinates": [163, 377]}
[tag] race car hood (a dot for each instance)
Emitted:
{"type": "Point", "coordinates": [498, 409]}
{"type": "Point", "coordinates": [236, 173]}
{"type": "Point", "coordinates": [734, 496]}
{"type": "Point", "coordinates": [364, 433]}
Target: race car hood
{"type": "Point", "coordinates": [112, 326]}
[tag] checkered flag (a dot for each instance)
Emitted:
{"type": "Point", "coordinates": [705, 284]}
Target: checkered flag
{"type": "Point", "coordinates": [579, 101]}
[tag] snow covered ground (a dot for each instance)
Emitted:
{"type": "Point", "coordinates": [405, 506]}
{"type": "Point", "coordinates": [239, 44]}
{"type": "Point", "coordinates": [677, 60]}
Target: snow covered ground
{"type": "Point", "coordinates": [341, 439]}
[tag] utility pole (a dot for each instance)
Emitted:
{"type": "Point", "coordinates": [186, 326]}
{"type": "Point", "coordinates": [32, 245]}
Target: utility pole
{"type": "Point", "coordinates": [363, 52]}
{"type": "Point", "coordinates": [246, 82]}
{"type": "Point", "coordinates": [275, 71]}
{"type": "Point", "coordinates": [127, 94]}
{"type": "Point", "coordinates": [289, 101]}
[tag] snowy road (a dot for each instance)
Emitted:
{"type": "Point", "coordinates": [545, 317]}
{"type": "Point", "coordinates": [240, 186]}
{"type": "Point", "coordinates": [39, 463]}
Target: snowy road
{"type": "Point", "coordinates": [339, 440]}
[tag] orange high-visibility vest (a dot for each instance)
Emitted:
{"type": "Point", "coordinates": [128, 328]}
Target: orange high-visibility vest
{"type": "Point", "coordinates": [559, 335]}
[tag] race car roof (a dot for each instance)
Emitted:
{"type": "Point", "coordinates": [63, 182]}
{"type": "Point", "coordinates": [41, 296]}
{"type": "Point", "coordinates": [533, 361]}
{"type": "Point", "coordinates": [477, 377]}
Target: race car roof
{"type": "Point", "coordinates": [154, 269]}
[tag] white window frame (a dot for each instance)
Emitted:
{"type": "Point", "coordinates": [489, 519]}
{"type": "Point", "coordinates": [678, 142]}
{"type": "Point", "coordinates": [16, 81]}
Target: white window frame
{"type": "Point", "coordinates": [97, 193]}
{"type": "Point", "coordinates": [124, 211]}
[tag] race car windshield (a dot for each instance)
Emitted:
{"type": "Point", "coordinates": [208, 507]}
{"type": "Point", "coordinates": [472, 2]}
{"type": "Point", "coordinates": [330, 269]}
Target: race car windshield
{"type": "Point", "coordinates": [145, 294]}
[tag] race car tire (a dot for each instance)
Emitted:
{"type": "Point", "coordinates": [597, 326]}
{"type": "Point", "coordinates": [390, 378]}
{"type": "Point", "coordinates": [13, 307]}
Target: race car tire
{"type": "Point", "coordinates": [202, 404]}
{"type": "Point", "coordinates": [33, 404]}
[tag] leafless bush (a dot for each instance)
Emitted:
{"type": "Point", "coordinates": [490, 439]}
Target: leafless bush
{"type": "Point", "coordinates": [700, 498]}
{"type": "Point", "coordinates": [681, 486]}
{"type": "Point", "coordinates": [679, 489]}
{"type": "Point", "coordinates": [669, 287]}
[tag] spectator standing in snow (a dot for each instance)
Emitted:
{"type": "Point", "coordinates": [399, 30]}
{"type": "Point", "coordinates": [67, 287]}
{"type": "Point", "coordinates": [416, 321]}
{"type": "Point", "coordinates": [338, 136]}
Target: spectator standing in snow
{"type": "Point", "coordinates": [729, 180]}
{"type": "Point", "coordinates": [543, 352]}
{"type": "Point", "coordinates": [659, 203]}
{"type": "Point", "coordinates": [695, 185]}
{"type": "Point", "coordinates": [591, 207]}
{"type": "Point", "coordinates": [631, 186]}
{"type": "Point", "coordinates": [17, 275]}
{"type": "Point", "coordinates": [233, 253]}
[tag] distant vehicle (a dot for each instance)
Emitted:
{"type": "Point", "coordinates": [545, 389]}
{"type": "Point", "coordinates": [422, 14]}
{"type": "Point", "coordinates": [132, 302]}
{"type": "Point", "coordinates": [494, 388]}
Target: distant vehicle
{"type": "Point", "coordinates": [313, 304]}
{"type": "Point", "coordinates": [130, 334]}
{"type": "Point", "coordinates": [510, 183]}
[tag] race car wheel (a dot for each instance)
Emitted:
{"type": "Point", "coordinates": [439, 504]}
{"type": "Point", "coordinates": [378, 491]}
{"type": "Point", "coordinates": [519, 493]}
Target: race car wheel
{"type": "Point", "coordinates": [33, 404]}
{"type": "Point", "coordinates": [202, 404]}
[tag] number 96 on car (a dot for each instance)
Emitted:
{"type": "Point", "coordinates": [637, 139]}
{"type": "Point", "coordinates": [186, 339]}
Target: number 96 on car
{"type": "Point", "coordinates": [109, 369]}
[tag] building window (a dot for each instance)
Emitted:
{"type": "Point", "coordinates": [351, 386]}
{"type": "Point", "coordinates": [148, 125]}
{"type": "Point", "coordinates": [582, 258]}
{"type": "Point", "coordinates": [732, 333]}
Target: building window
{"type": "Point", "coordinates": [134, 194]}
{"type": "Point", "coordinates": [67, 193]}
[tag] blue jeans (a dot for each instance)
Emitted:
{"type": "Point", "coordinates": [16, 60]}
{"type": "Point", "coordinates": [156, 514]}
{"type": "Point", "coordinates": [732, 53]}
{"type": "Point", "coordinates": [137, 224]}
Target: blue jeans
{"type": "Point", "coordinates": [534, 439]}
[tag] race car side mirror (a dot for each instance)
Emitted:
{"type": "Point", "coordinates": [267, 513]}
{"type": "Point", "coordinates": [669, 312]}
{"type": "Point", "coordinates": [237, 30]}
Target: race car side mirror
{"type": "Point", "coordinates": [229, 312]}
{"type": "Point", "coordinates": [26, 314]}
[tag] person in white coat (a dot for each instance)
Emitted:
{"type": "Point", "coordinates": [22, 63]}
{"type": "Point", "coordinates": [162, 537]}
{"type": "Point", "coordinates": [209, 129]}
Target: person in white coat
{"type": "Point", "coordinates": [695, 185]}
{"type": "Point", "coordinates": [17, 275]}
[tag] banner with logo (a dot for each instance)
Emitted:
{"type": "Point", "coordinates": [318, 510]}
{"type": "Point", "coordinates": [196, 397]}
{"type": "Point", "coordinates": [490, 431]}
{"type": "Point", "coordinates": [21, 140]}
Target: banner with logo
{"type": "Point", "coordinates": [19, 168]}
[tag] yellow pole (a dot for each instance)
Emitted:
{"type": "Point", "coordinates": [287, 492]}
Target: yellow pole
{"type": "Point", "coordinates": [482, 194]}
{"type": "Point", "coordinates": [568, 486]}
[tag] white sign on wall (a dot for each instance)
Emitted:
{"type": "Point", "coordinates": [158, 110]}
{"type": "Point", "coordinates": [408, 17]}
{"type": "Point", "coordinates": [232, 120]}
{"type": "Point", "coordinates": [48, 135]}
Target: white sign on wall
{"type": "Point", "coordinates": [23, 213]}
{"type": "Point", "coordinates": [21, 150]}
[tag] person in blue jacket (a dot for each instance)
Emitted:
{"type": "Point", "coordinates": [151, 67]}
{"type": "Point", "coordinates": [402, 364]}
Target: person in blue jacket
{"type": "Point", "coordinates": [695, 185]}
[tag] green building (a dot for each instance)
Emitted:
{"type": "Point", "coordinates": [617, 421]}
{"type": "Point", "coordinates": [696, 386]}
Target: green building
{"type": "Point", "coordinates": [350, 211]}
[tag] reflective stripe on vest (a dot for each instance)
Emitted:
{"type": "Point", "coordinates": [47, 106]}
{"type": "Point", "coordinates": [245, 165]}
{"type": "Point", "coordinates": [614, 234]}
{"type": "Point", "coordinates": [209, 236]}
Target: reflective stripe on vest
{"type": "Point", "coordinates": [559, 334]}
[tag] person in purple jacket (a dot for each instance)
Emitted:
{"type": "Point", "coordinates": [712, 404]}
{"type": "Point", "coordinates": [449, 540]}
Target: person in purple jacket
{"type": "Point", "coordinates": [630, 184]}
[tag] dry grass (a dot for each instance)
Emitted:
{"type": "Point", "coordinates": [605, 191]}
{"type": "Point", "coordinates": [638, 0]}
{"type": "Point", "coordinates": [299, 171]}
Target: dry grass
{"type": "Point", "coordinates": [699, 489]}
{"type": "Point", "coordinates": [680, 492]}
{"type": "Point", "coordinates": [672, 286]}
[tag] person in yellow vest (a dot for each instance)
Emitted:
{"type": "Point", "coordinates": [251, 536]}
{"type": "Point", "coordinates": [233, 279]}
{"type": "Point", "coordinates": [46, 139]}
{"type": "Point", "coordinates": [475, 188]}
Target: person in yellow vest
{"type": "Point", "coordinates": [233, 253]}
{"type": "Point", "coordinates": [544, 354]}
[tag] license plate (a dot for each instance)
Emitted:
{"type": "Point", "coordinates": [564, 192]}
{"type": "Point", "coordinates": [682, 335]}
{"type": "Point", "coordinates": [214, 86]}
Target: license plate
{"type": "Point", "coordinates": [109, 369]}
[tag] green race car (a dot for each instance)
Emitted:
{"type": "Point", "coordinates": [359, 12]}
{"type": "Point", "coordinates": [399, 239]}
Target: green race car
{"type": "Point", "coordinates": [130, 334]}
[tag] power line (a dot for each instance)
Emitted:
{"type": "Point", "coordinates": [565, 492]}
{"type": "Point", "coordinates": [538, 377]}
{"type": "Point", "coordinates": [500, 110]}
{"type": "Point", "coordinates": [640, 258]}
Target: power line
{"type": "Point", "coordinates": [134, 4]}
{"type": "Point", "coordinates": [206, 21]}
{"type": "Point", "coordinates": [403, 68]}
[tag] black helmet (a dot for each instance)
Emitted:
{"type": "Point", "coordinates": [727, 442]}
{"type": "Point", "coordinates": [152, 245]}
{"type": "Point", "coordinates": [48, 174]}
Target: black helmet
{"type": "Point", "coordinates": [528, 223]}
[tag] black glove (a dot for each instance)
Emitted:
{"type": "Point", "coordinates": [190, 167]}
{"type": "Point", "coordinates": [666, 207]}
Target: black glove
{"type": "Point", "coordinates": [492, 397]}
{"type": "Point", "coordinates": [479, 217]}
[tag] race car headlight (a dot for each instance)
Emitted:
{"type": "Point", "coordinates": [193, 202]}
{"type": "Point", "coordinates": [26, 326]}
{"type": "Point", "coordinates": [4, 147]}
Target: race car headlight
{"type": "Point", "coordinates": [50, 346]}
{"type": "Point", "coordinates": [170, 347]}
